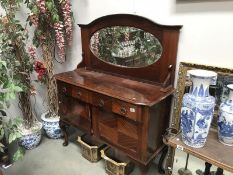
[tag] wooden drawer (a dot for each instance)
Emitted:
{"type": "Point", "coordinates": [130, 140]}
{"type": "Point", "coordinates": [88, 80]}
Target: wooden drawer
{"type": "Point", "coordinates": [80, 93]}
{"type": "Point", "coordinates": [126, 109]}
{"type": "Point", "coordinates": [64, 88]}
{"type": "Point", "coordinates": [74, 91]}
{"type": "Point", "coordinates": [101, 101]}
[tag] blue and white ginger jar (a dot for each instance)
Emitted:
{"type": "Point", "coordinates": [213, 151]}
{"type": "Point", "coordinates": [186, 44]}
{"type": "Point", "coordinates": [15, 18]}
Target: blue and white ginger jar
{"type": "Point", "coordinates": [51, 126]}
{"type": "Point", "coordinates": [225, 121]}
{"type": "Point", "coordinates": [197, 109]}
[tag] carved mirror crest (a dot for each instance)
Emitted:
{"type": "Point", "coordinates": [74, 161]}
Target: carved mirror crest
{"type": "Point", "coordinates": [125, 46]}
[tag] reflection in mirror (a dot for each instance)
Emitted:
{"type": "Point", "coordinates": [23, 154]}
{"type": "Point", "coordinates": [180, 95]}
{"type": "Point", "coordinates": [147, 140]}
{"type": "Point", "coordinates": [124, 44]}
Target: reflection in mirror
{"type": "Point", "coordinates": [125, 46]}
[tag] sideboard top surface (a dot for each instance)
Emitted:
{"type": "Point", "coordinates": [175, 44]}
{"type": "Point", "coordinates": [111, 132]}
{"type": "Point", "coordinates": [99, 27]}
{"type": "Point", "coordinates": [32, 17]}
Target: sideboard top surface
{"type": "Point", "coordinates": [132, 91]}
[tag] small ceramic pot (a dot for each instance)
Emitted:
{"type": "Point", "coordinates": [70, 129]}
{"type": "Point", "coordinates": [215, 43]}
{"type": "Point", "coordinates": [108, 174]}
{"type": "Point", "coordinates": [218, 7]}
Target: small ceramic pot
{"type": "Point", "coordinates": [31, 139]}
{"type": "Point", "coordinates": [51, 126]}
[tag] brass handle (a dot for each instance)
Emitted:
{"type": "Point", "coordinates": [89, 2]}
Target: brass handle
{"type": "Point", "coordinates": [79, 94]}
{"type": "Point", "coordinates": [110, 160]}
{"type": "Point", "coordinates": [101, 103]}
{"type": "Point", "coordinates": [123, 110]}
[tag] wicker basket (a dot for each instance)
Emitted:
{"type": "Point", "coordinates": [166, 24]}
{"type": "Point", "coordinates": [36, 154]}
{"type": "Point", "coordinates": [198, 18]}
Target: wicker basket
{"type": "Point", "coordinates": [91, 147]}
{"type": "Point", "coordinates": [116, 164]}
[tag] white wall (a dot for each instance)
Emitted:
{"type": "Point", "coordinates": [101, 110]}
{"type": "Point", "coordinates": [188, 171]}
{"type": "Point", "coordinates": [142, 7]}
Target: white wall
{"type": "Point", "coordinates": [207, 31]}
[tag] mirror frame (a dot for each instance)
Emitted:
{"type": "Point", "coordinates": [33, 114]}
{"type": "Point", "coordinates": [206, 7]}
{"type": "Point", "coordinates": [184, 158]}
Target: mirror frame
{"type": "Point", "coordinates": [180, 88]}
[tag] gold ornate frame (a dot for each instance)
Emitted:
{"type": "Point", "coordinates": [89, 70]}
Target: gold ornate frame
{"type": "Point", "coordinates": [175, 121]}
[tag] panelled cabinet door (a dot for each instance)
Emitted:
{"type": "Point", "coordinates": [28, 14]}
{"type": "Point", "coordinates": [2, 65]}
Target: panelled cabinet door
{"type": "Point", "coordinates": [117, 130]}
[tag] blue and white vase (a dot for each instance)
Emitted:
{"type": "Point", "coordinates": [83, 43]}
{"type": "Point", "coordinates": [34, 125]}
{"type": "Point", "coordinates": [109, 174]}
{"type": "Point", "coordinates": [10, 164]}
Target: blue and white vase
{"type": "Point", "coordinates": [31, 137]}
{"type": "Point", "coordinates": [197, 109]}
{"type": "Point", "coordinates": [225, 121]}
{"type": "Point", "coordinates": [51, 126]}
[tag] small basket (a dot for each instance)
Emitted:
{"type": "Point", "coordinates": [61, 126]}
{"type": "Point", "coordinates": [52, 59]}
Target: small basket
{"type": "Point", "coordinates": [116, 164]}
{"type": "Point", "coordinates": [91, 147]}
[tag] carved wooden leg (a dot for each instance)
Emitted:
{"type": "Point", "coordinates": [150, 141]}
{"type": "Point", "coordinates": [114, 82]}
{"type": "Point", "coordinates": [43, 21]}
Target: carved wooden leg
{"type": "Point", "coordinates": [161, 160]}
{"type": "Point", "coordinates": [63, 127]}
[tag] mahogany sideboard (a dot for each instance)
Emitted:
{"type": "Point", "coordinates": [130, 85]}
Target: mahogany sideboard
{"type": "Point", "coordinates": [123, 100]}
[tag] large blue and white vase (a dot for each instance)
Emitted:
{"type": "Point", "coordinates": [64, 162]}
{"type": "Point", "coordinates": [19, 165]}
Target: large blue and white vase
{"type": "Point", "coordinates": [197, 108]}
{"type": "Point", "coordinates": [51, 125]}
{"type": "Point", "coordinates": [225, 121]}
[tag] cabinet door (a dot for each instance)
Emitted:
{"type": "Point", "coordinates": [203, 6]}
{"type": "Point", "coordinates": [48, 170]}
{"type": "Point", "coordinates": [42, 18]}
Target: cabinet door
{"type": "Point", "coordinates": [117, 130]}
{"type": "Point", "coordinates": [74, 112]}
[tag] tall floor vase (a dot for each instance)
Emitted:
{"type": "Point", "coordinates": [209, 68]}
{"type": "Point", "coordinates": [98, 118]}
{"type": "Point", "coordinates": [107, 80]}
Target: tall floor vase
{"type": "Point", "coordinates": [197, 109]}
{"type": "Point", "coordinates": [225, 122]}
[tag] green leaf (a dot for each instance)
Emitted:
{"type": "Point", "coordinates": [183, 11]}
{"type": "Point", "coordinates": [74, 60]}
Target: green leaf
{"type": "Point", "coordinates": [12, 137]}
{"type": "Point", "coordinates": [19, 154]}
{"type": "Point", "coordinates": [1, 145]}
{"type": "Point", "coordinates": [18, 89]}
{"type": "Point", "coordinates": [55, 18]}
{"type": "Point", "coordinates": [49, 5]}
{"type": "Point", "coordinates": [1, 149]}
{"type": "Point", "coordinates": [3, 63]}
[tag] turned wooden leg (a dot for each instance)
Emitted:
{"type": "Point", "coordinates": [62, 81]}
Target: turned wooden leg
{"type": "Point", "coordinates": [63, 127]}
{"type": "Point", "coordinates": [161, 160]}
{"type": "Point", "coordinates": [207, 168]}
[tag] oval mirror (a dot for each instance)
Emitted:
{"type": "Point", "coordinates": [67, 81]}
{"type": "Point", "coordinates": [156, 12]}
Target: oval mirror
{"type": "Point", "coordinates": [125, 46]}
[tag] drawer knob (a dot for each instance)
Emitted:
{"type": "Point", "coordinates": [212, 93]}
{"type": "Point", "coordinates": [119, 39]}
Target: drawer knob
{"type": "Point", "coordinates": [101, 103]}
{"type": "Point", "coordinates": [79, 94]}
{"type": "Point", "coordinates": [64, 89]}
{"type": "Point", "coordinates": [123, 110]}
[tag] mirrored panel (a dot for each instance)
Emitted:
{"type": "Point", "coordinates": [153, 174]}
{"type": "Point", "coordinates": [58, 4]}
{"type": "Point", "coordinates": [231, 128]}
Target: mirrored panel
{"type": "Point", "coordinates": [125, 46]}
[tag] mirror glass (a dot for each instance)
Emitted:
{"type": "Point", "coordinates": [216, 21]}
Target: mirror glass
{"type": "Point", "coordinates": [125, 46]}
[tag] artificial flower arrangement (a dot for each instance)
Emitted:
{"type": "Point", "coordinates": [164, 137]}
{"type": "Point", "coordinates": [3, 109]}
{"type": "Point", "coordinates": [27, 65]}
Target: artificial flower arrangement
{"type": "Point", "coordinates": [53, 23]}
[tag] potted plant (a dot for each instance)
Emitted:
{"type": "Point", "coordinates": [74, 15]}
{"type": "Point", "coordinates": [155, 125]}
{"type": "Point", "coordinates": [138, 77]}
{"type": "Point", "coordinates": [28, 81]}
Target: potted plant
{"type": "Point", "coordinates": [53, 33]}
{"type": "Point", "coordinates": [13, 52]}
{"type": "Point", "coordinates": [9, 128]}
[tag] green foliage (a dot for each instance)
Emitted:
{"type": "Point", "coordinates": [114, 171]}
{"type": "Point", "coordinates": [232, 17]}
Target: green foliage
{"type": "Point", "coordinates": [15, 68]}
